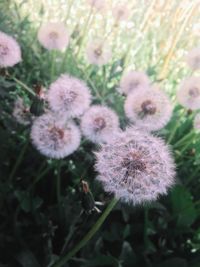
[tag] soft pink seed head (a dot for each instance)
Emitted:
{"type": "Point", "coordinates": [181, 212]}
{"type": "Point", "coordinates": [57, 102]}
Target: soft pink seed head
{"type": "Point", "coordinates": [135, 166]}
{"type": "Point", "coordinates": [98, 53]}
{"type": "Point", "coordinates": [21, 112]}
{"type": "Point", "coordinates": [197, 122]}
{"type": "Point", "coordinates": [99, 123]}
{"type": "Point", "coordinates": [53, 35]}
{"type": "Point", "coordinates": [55, 137]}
{"type": "Point", "coordinates": [188, 94]}
{"type": "Point", "coordinates": [99, 5]}
{"type": "Point", "coordinates": [149, 109]}
{"type": "Point", "coordinates": [10, 52]}
{"type": "Point", "coordinates": [193, 58]}
{"type": "Point", "coordinates": [121, 12]}
{"type": "Point", "coordinates": [69, 96]}
{"type": "Point", "coordinates": [133, 80]}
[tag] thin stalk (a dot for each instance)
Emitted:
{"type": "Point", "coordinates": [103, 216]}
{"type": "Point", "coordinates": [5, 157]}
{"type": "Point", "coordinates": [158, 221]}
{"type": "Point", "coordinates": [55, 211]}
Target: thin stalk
{"type": "Point", "coordinates": [69, 9]}
{"type": "Point", "coordinates": [88, 236]}
{"type": "Point", "coordinates": [184, 138]}
{"type": "Point", "coordinates": [18, 161]}
{"type": "Point", "coordinates": [28, 89]}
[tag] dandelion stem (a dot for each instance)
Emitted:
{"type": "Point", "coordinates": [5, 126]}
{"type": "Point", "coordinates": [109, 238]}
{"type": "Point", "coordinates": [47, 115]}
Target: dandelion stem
{"type": "Point", "coordinates": [18, 161]}
{"type": "Point", "coordinates": [88, 236]}
{"type": "Point", "coordinates": [28, 89]}
{"type": "Point", "coordinates": [184, 138]}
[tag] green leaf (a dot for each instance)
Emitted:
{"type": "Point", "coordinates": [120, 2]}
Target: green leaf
{"type": "Point", "coordinates": [183, 207]}
{"type": "Point", "coordinates": [174, 262]}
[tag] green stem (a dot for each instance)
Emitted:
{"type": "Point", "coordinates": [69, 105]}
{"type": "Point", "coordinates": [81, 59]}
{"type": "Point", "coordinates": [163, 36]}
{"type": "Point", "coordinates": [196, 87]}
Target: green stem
{"type": "Point", "coordinates": [58, 184]}
{"type": "Point", "coordinates": [18, 161]}
{"type": "Point", "coordinates": [184, 138]}
{"type": "Point", "coordinates": [88, 236]}
{"type": "Point", "coordinates": [28, 89]}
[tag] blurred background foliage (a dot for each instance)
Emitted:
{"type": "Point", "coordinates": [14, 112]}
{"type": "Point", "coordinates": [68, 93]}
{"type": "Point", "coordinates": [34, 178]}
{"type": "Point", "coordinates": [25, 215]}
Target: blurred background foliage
{"type": "Point", "coordinates": [39, 219]}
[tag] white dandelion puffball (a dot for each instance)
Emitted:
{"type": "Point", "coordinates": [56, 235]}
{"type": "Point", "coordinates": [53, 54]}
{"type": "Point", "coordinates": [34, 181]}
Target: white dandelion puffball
{"type": "Point", "coordinates": [197, 122]}
{"type": "Point", "coordinates": [132, 81]}
{"type": "Point", "coordinates": [99, 5]}
{"type": "Point", "coordinates": [98, 53]}
{"type": "Point", "coordinates": [149, 109]}
{"type": "Point", "coordinates": [121, 12]}
{"type": "Point", "coordinates": [10, 52]}
{"type": "Point", "coordinates": [135, 166]}
{"type": "Point", "coordinates": [53, 35]}
{"type": "Point", "coordinates": [193, 59]}
{"type": "Point", "coordinates": [21, 112]}
{"type": "Point", "coordinates": [69, 96]}
{"type": "Point", "coordinates": [99, 123]}
{"type": "Point", "coordinates": [55, 137]}
{"type": "Point", "coordinates": [189, 93]}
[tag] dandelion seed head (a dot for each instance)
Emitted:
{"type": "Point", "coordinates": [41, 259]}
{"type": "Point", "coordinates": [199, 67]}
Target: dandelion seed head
{"type": "Point", "coordinates": [133, 80]}
{"type": "Point", "coordinates": [121, 12]}
{"type": "Point", "coordinates": [53, 35]}
{"type": "Point", "coordinates": [135, 166]}
{"type": "Point", "coordinates": [188, 94]}
{"type": "Point", "coordinates": [197, 122]}
{"type": "Point", "coordinates": [149, 109]}
{"type": "Point", "coordinates": [98, 53]}
{"type": "Point", "coordinates": [69, 96]}
{"type": "Point", "coordinates": [193, 59]}
{"type": "Point", "coordinates": [99, 123]}
{"type": "Point", "coordinates": [10, 52]}
{"type": "Point", "coordinates": [55, 137]}
{"type": "Point", "coordinates": [99, 5]}
{"type": "Point", "coordinates": [21, 112]}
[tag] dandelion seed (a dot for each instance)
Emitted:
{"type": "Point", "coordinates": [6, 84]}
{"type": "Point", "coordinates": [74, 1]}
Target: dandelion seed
{"type": "Point", "coordinates": [189, 93]}
{"type": "Point", "coordinates": [53, 35]}
{"type": "Point", "coordinates": [99, 124]}
{"type": "Point", "coordinates": [132, 81]}
{"type": "Point", "coordinates": [69, 95]}
{"type": "Point", "coordinates": [55, 137]}
{"type": "Point", "coordinates": [121, 12]}
{"type": "Point", "coordinates": [135, 166]}
{"type": "Point", "coordinates": [21, 112]}
{"type": "Point", "coordinates": [10, 52]}
{"type": "Point", "coordinates": [98, 53]}
{"type": "Point", "coordinates": [148, 109]}
{"type": "Point", "coordinates": [193, 59]}
{"type": "Point", "coordinates": [197, 122]}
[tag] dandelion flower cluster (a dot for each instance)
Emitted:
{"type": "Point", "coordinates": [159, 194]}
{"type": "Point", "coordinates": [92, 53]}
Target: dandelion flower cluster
{"type": "Point", "coordinates": [193, 58]}
{"type": "Point", "coordinates": [148, 109]}
{"type": "Point", "coordinates": [189, 93]}
{"type": "Point", "coordinates": [55, 137]}
{"type": "Point", "coordinates": [99, 124]}
{"type": "Point", "coordinates": [98, 53]}
{"type": "Point", "coordinates": [10, 52]}
{"type": "Point", "coordinates": [132, 81]}
{"type": "Point", "coordinates": [197, 122]}
{"type": "Point", "coordinates": [135, 166]}
{"type": "Point", "coordinates": [69, 96]}
{"type": "Point", "coordinates": [53, 35]}
{"type": "Point", "coordinates": [21, 112]}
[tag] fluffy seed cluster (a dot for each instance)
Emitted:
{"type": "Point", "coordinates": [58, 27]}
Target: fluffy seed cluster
{"type": "Point", "coordinates": [99, 5]}
{"type": "Point", "coordinates": [53, 35]}
{"type": "Point", "coordinates": [10, 52]}
{"type": "Point", "coordinates": [149, 109]}
{"type": "Point", "coordinates": [132, 81]}
{"type": "Point", "coordinates": [98, 53]}
{"type": "Point", "coordinates": [99, 124]}
{"type": "Point", "coordinates": [54, 137]}
{"type": "Point", "coordinates": [197, 122]}
{"type": "Point", "coordinates": [21, 112]}
{"type": "Point", "coordinates": [69, 96]}
{"type": "Point", "coordinates": [193, 58]}
{"type": "Point", "coordinates": [121, 12]}
{"type": "Point", "coordinates": [135, 166]}
{"type": "Point", "coordinates": [189, 93]}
